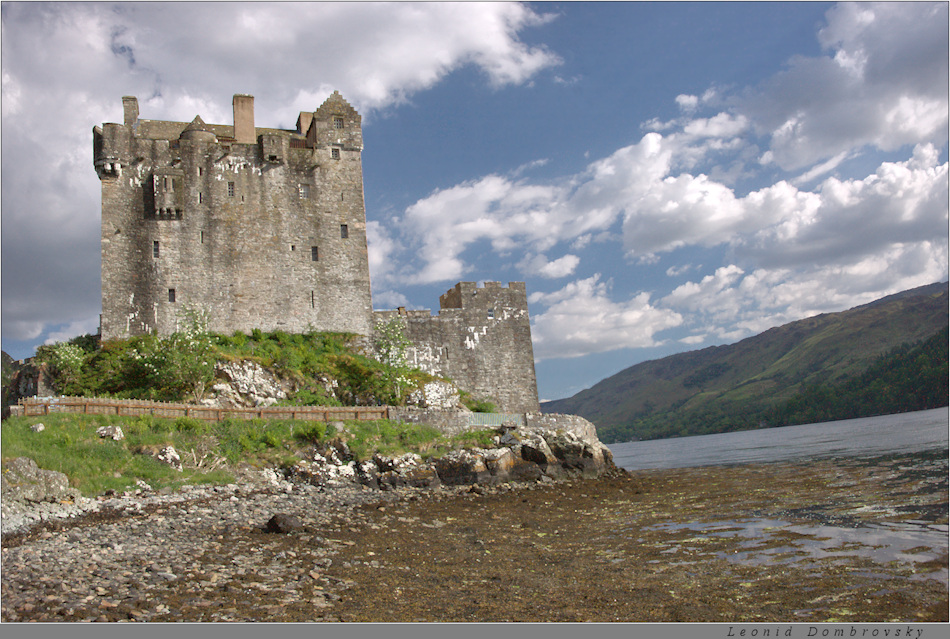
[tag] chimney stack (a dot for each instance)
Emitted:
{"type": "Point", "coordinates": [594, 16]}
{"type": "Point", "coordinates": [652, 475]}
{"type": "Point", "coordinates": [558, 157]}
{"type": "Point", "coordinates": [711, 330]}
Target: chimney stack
{"type": "Point", "coordinates": [130, 108]}
{"type": "Point", "coordinates": [244, 132]}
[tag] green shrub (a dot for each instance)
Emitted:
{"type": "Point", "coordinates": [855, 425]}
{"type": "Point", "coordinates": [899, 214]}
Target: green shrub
{"type": "Point", "coordinates": [312, 433]}
{"type": "Point", "coordinates": [192, 425]}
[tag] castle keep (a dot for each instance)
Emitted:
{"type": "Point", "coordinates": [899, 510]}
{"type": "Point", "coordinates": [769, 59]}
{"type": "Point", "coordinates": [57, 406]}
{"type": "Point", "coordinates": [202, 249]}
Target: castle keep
{"type": "Point", "coordinates": [261, 228]}
{"type": "Point", "coordinates": [266, 228]}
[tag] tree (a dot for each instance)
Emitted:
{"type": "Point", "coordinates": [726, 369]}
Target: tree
{"type": "Point", "coordinates": [392, 345]}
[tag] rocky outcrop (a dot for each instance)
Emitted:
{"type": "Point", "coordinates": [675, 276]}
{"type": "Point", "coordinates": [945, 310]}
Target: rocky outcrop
{"type": "Point", "coordinates": [520, 454]}
{"type": "Point", "coordinates": [23, 481]}
{"type": "Point", "coordinates": [246, 384]}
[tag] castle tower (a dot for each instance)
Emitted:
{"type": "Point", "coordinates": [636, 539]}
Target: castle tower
{"type": "Point", "coordinates": [258, 227]}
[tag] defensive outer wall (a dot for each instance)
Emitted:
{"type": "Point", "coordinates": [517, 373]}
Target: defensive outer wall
{"type": "Point", "coordinates": [481, 339]}
{"type": "Point", "coordinates": [266, 228]}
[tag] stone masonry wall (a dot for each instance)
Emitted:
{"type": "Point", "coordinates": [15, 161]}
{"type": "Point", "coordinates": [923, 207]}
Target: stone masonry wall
{"type": "Point", "coordinates": [268, 235]}
{"type": "Point", "coordinates": [481, 339]}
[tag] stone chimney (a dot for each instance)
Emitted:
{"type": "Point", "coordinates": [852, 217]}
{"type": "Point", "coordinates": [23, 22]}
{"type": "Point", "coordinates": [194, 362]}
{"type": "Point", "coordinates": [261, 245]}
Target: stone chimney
{"type": "Point", "coordinates": [303, 122]}
{"type": "Point", "coordinates": [130, 107]}
{"type": "Point", "coordinates": [244, 132]}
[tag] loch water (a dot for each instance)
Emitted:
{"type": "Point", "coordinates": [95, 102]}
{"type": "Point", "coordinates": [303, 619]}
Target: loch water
{"type": "Point", "coordinates": [889, 434]}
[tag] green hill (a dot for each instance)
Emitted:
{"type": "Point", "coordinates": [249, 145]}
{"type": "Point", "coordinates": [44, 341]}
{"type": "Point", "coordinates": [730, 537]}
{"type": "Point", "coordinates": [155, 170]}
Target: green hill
{"type": "Point", "coordinates": [726, 388]}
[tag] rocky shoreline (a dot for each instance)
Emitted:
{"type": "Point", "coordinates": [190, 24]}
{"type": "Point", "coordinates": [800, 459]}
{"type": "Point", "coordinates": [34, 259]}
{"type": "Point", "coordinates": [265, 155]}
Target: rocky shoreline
{"type": "Point", "coordinates": [673, 545]}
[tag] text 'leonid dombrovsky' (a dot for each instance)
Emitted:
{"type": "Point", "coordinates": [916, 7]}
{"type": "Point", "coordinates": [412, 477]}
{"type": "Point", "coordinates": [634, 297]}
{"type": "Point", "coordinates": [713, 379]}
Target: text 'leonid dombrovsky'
{"type": "Point", "coordinates": [898, 631]}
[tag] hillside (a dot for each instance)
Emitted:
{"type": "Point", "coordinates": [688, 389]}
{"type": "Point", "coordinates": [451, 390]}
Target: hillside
{"type": "Point", "coordinates": [756, 373]}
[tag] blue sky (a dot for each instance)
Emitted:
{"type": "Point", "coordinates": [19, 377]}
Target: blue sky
{"type": "Point", "coordinates": [664, 176]}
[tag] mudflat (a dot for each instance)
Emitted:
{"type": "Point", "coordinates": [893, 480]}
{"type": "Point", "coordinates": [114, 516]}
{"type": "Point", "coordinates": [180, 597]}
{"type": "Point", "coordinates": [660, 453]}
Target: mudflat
{"type": "Point", "coordinates": [847, 540]}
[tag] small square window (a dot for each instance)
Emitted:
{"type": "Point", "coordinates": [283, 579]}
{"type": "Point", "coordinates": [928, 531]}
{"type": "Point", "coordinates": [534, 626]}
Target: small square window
{"type": "Point", "coordinates": [337, 122]}
{"type": "Point", "coordinates": [171, 295]}
{"type": "Point", "coordinates": [491, 313]}
{"type": "Point", "coordinates": [344, 231]}
{"type": "Point", "coordinates": [304, 192]}
{"type": "Point", "coordinates": [230, 189]}
{"type": "Point", "coordinates": [335, 153]}
{"type": "Point", "coordinates": [155, 248]}
{"type": "Point", "coordinates": [314, 254]}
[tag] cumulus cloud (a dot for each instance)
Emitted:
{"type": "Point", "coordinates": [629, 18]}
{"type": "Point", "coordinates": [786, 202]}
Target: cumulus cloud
{"type": "Point", "coordinates": [883, 82]}
{"type": "Point", "coordinates": [540, 265]}
{"type": "Point", "coordinates": [580, 319]}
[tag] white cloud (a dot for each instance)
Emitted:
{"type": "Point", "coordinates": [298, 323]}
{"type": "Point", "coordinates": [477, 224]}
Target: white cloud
{"type": "Point", "coordinates": [883, 83]}
{"type": "Point", "coordinates": [581, 319]}
{"type": "Point", "coordinates": [540, 265]}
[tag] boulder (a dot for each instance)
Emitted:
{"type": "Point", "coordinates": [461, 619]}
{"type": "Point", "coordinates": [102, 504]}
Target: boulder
{"type": "Point", "coordinates": [111, 432]}
{"type": "Point", "coordinates": [23, 480]}
{"type": "Point", "coordinates": [37, 428]}
{"type": "Point", "coordinates": [170, 456]}
{"type": "Point", "coordinates": [463, 467]}
{"type": "Point", "coordinates": [535, 449]}
{"type": "Point", "coordinates": [283, 523]}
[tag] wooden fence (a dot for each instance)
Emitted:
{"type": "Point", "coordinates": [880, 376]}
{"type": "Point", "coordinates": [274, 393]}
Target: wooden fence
{"type": "Point", "coordinates": [35, 406]}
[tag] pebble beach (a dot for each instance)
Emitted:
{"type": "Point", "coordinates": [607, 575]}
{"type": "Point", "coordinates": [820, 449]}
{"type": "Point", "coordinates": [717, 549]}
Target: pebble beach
{"type": "Point", "coordinates": [749, 543]}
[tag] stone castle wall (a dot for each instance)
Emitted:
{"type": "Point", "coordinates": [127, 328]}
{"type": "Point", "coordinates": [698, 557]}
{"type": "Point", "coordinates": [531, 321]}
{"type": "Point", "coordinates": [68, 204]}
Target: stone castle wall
{"type": "Point", "coordinates": [481, 339]}
{"type": "Point", "coordinates": [267, 231]}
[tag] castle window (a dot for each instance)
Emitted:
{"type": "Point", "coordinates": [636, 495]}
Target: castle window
{"type": "Point", "coordinates": [491, 313]}
{"type": "Point", "coordinates": [335, 153]}
{"type": "Point", "coordinates": [155, 248]}
{"type": "Point", "coordinates": [201, 236]}
{"type": "Point", "coordinates": [337, 122]}
{"type": "Point", "coordinates": [314, 254]}
{"type": "Point", "coordinates": [344, 231]}
{"type": "Point", "coordinates": [200, 199]}
{"type": "Point", "coordinates": [171, 295]}
{"type": "Point", "coordinates": [304, 192]}
{"type": "Point", "coordinates": [230, 189]}
{"type": "Point", "coordinates": [313, 300]}
{"type": "Point", "coordinates": [293, 247]}
{"type": "Point", "coordinates": [201, 171]}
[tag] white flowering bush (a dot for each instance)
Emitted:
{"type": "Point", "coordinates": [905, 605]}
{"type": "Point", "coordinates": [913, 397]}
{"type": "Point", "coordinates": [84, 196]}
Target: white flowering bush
{"type": "Point", "coordinates": [65, 361]}
{"type": "Point", "coordinates": [392, 346]}
{"type": "Point", "coordinates": [182, 364]}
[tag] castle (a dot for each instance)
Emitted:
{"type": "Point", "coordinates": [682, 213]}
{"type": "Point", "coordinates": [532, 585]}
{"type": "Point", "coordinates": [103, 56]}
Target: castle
{"type": "Point", "coordinates": [266, 228]}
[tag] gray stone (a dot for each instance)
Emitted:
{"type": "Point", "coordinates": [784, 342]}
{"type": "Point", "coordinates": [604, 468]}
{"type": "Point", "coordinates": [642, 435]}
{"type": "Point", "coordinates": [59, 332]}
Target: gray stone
{"type": "Point", "coordinates": [283, 523]}
{"type": "Point", "coordinates": [111, 432]}
{"type": "Point", "coordinates": [23, 480]}
{"type": "Point", "coordinates": [170, 456]}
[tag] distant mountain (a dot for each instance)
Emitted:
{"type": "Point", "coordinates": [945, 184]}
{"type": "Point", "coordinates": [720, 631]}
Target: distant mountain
{"type": "Point", "coordinates": [724, 388]}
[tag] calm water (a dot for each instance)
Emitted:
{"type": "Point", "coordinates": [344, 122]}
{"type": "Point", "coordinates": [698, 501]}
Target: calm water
{"type": "Point", "coordinates": [904, 433]}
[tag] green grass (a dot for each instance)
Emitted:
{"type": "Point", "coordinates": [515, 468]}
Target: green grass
{"type": "Point", "coordinates": [209, 451]}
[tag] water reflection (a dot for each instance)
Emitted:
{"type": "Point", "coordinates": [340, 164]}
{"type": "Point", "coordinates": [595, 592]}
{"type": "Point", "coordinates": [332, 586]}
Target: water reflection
{"type": "Point", "coordinates": [778, 542]}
